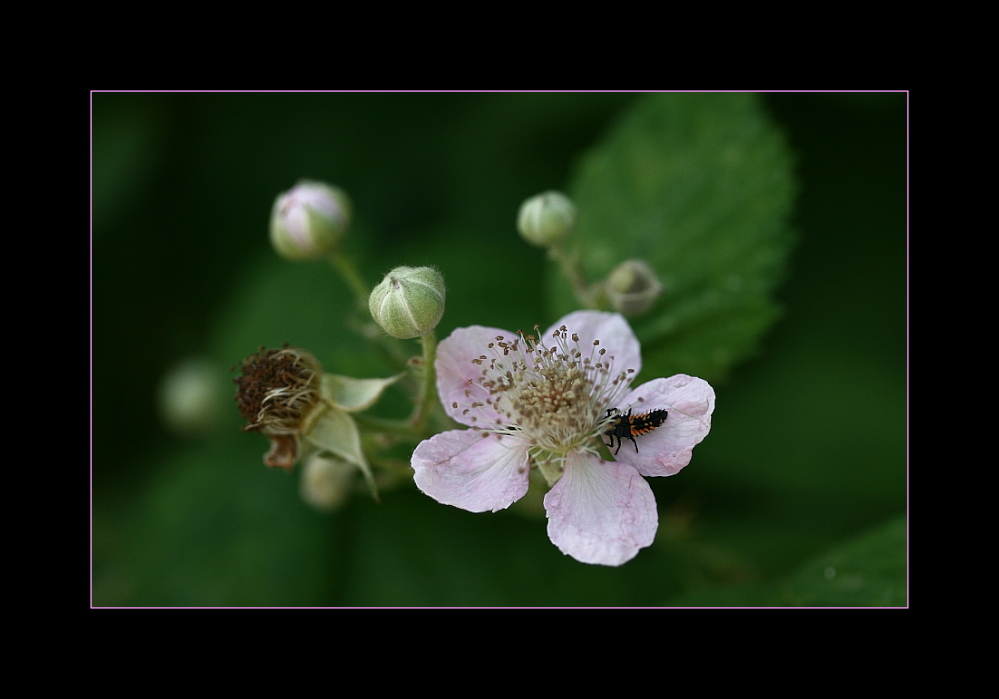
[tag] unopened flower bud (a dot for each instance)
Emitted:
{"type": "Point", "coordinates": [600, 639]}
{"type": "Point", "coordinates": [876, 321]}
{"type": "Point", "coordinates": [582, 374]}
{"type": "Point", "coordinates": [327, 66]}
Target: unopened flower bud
{"type": "Point", "coordinates": [191, 397]}
{"type": "Point", "coordinates": [327, 481]}
{"type": "Point", "coordinates": [409, 302]}
{"type": "Point", "coordinates": [546, 219]}
{"type": "Point", "coordinates": [632, 287]}
{"type": "Point", "coordinates": [309, 221]}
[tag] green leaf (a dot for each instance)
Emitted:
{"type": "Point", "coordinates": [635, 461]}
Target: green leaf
{"type": "Point", "coordinates": [870, 571]}
{"type": "Point", "coordinates": [700, 187]}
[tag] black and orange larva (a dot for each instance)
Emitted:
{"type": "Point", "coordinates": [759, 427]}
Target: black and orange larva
{"type": "Point", "coordinates": [628, 426]}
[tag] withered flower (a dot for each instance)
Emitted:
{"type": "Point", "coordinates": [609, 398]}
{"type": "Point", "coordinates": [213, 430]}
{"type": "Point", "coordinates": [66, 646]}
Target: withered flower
{"type": "Point", "coordinates": [305, 412]}
{"type": "Point", "coordinates": [278, 391]}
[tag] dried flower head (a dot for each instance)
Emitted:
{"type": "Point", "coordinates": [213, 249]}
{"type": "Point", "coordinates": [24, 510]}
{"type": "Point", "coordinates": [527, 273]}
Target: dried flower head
{"type": "Point", "coordinates": [277, 391]}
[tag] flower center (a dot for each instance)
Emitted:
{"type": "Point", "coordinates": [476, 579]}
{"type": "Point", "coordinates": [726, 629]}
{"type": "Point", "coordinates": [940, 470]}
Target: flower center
{"type": "Point", "coordinates": [555, 395]}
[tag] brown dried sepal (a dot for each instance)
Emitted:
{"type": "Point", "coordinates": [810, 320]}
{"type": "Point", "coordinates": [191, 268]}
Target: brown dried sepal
{"type": "Point", "coordinates": [283, 453]}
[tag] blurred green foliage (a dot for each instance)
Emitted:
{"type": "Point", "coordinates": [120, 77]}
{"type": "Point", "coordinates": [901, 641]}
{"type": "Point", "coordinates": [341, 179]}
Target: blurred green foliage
{"type": "Point", "coordinates": [798, 495]}
{"type": "Point", "coordinates": [699, 186]}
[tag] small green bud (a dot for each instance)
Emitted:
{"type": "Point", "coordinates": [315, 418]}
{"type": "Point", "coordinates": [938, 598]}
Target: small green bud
{"type": "Point", "coordinates": [546, 219]}
{"type": "Point", "coordinates": [632, 287]}
{"type": "Point", "coordinates": [409, 302]}
{"type": "Point", "coordinates": [327, 481]}
{"type": "Point", "coordinates": [309, 221]}
{"type": "Point", "coordinates": [191, 398]}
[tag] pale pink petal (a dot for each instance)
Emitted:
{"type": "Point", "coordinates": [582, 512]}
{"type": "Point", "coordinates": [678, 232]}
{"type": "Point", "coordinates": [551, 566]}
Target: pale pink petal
{"type": "Point", "coordinates": [473, 470]}
{"type": "Point", "coordinates": [611, 329]}
{"type": "Point", "coordinates": [667, 449]}
{"type": "Point", "coordinates": [455, 373]}
{"type": "Point", "coordinates": [601, 511]}
{"type": "Point", "coordinates": [296, 220]}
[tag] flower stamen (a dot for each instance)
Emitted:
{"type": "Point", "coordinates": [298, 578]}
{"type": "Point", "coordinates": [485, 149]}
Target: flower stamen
{"type": "Point", "coordinates": [553, 394]}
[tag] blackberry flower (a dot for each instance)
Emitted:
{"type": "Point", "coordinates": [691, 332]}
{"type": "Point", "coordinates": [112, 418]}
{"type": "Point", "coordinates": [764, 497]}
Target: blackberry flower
{"type": "Point", "coordinates": [548, 403]}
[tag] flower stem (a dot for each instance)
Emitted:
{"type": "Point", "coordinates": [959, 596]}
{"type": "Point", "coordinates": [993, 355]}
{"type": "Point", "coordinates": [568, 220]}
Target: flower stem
{"type": "Point", "coordinates": [427, 398]}
{"type": "Point", "coordinates": [427, 406]}
{"type": "Point", "coordinates": [362, 323]}
{"type": "Point", "coordinates": [569, 264]}
{"type": "Point", "coordinates": [351, 278]}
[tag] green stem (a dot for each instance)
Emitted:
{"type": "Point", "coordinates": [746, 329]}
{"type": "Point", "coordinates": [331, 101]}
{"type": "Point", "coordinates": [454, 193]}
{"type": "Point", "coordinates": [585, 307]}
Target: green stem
{"type": "Point", "coordinates": [352, 278]}
{"type": "Point", "coordinates": [569, 264]}
{"type": "Point", "coordinates": [427, 406]}
{"type": "Point", "coordinates": [363, 324]}
{"type": "Point", "coordinates": [428, 388]}
{"type": "Point", "coordinates": [400, 429]}
{"type": "Point", "coordinates": [395, 467]}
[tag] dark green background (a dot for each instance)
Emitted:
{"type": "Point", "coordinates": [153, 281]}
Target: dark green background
{"type": "Point", "coordinates": [798, 495]}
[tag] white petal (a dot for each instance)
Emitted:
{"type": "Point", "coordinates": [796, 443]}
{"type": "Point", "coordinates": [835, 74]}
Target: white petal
{"type": "Point", "coordinates": [601, 511]}
{"type": "Point", "coordinates": [455, 373]}
{"type": "Point", "coordinates": [665, 450]}
{"type": "Point", "coordinates": [473, 470]}
{"type": "Point", "coordinates": [611, 329]}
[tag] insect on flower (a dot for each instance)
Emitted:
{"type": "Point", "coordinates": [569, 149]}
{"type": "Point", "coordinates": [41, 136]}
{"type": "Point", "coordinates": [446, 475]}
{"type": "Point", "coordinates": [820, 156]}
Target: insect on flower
{"type": "Point", "coordinates": [542, 403]}
{"type": "Point", "coordinates": [628, 426]}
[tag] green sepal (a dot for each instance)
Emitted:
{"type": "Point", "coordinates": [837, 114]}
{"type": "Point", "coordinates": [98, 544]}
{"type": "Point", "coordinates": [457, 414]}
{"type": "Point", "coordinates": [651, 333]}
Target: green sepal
{"type": "Point", "coordinates": [350, 394]}
{"type": "Point", "coordinates": [334, 431]}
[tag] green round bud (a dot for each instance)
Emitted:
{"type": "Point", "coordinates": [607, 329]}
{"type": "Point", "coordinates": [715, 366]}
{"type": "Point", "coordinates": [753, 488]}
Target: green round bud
{"type": "Point", "coordinates": [191, 397]}
{"type": "Point", "coordinates": [327, 481]}
{"type": "Point", "coordinates": [632, 287]}
{"type": "Point", "coordinates": [546, 219]}
{"type": "Point", "coordinates": [409, 302]}
{"type": "Point", "coordinates": [309, 221]}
